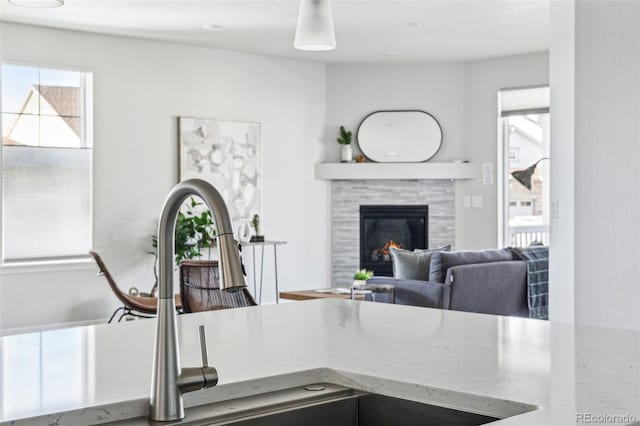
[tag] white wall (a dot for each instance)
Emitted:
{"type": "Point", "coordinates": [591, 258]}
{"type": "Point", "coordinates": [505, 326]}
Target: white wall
{"type": "Point", "coordinates": [354, 91]}
{"type": "Point", "coordinates": [140, 87]}
{"type": "Point", "coordinates": [478, 227]}
{"type": "Point", "coordinates": [607, 154]}
{"type": "Point", "coordinates": [462, 96]}
{"type": "Point", "coordinates": [595, 98]}
{"type": "Point", "coordinates": [562, 231]}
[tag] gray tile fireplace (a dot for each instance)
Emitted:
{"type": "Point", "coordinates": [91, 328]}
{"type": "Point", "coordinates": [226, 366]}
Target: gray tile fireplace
{"type": "Point", "coordinates": [348, 195]}
{"type": "Point", "coordinates": [383, 227]}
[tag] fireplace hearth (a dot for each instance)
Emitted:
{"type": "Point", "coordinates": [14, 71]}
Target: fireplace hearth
{"type": "Point", "coordinates": [386, 226]}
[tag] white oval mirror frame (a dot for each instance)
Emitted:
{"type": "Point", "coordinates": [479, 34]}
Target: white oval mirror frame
{"type": "Point", "coordinates": [399, 136]}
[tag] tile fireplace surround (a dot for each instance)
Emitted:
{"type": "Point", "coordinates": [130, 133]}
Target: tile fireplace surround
{"type": "Point", "coordinates": [348, 195]}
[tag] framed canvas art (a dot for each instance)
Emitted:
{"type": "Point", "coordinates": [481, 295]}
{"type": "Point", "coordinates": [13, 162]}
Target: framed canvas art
{"type": "Point", "coordinates": [226, 154]}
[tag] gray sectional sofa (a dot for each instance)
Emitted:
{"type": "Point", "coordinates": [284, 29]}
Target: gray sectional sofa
{"type": "Point", "coordinates": [487, 281]}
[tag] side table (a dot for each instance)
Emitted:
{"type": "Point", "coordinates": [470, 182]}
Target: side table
{"type": "Point", "coordinates": [373, 290]}
{"type": "Point", "coordinates": [262, 245]}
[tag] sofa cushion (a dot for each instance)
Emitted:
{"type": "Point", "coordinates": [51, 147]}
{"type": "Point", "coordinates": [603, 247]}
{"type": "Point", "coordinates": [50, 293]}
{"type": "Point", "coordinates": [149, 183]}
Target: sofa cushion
{"type": "Point", "coordinates": [413, 265]}
{"type": "Point", "coordinates": [498, 288]}
{"type": "Point", "coordinates": [442, 261]}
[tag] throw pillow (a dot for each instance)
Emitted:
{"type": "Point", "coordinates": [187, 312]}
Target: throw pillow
{"type": "Point", "coordinates": [413, 265]}
{"type": "Point", "coordinates": [441, 262]}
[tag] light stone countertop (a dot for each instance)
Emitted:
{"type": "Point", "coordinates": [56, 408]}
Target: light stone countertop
{"type": "Point", "coordinates": [491, 364]}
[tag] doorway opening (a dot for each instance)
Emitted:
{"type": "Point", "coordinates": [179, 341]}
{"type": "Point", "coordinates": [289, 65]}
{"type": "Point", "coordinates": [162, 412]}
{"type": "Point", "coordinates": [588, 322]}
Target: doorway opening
{"type": "Point", "coordinates": [524, 179]}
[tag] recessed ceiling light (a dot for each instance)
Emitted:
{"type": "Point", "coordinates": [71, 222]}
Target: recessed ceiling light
{"type": "Point", "coordinates": [213, 27]}
{"type": "Point", "coordinates": [37, 3]}
{"type": "Point", "coordinates": [414, 24]}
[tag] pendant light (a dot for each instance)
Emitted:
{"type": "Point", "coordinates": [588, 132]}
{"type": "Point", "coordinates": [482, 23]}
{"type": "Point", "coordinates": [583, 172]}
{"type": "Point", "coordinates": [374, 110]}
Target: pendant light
{"type": "Point", "coordinates": [315, 26]}
{"type": "Point", "coordinates": [38, 3]}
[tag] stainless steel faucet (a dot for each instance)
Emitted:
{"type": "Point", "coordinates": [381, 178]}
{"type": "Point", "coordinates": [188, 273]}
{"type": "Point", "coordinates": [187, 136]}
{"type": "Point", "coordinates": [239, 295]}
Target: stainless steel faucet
{"type": "Point", "coordinates": [169, 381]}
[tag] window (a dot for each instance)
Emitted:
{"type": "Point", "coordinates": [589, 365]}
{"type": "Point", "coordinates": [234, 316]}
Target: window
{"type": "Point", "coordinates": [46, 164]}
{"type": "Point", "coordinates": [524, 195]}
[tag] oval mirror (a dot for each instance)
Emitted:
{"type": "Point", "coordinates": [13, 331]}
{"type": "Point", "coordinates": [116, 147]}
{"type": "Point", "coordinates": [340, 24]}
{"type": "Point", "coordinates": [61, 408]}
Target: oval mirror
{"type": "Point", "coordinates": [409, 136]}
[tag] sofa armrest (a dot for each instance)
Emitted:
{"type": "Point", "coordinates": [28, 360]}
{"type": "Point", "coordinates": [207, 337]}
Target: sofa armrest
{"type": "Point", "coordinates": [498, 288]}
{"type": "Point", "coordinates": [414, 292]}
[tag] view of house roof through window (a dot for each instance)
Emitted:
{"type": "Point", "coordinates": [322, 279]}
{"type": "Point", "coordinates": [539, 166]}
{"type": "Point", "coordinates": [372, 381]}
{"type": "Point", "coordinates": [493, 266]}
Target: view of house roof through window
{"type": "Point", "coordinates": [46, 164]}
{"type": "Point", "coordinates": [42, 107]}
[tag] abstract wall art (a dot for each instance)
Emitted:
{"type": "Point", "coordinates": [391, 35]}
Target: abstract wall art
{"type": "Point", "coordinates": [226, 154]}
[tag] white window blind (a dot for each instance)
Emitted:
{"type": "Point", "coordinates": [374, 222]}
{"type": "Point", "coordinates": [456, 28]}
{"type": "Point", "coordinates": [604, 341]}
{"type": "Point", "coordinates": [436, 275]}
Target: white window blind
{"type": "Point", "coordinates": [534, 100]}
{"type": "Point", "coordinates": [46, 163]}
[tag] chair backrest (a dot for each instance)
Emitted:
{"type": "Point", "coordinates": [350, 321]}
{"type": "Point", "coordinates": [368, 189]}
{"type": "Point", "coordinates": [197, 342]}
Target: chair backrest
{"type": "Point", "coordinates": [200, 288]}
{"type": "Point", "coordinates": [112, 283]}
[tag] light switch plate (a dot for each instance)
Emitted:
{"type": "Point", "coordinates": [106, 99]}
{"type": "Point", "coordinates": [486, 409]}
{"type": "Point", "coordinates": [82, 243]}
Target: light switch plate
{"type": "Point", "coordinates": [467, 201]}
{"type": "Point", "coordinates": [476, 201]}
{"type": "Point", "coordinates": [555, 208]}
{"type": "Point", "coordinates": [487, 174]}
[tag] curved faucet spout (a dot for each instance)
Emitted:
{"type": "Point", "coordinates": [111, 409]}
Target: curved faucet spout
{"type": "Point", "coordinates": [231, 269]}
{"type": "Point", "coordinates": [166, 392]}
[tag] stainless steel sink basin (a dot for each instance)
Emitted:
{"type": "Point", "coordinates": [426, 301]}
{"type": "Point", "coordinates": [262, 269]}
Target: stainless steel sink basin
{"type": "Point", "coordinates": [367, 409]}
{"type": "Point", "coordinates": [321, 404]}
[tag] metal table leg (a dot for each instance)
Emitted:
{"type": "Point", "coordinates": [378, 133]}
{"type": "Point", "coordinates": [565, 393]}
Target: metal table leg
{"type": "Point", "coordinates": [253, 258]}
{"type": "Point", "coordinates": [275, 269]}
{"type": "Point", "coordinates": [261, 273]}
{"type": "Point", "coordinates": [259, 281]}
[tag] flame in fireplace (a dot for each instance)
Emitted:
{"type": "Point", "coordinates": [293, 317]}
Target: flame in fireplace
{"type": "Point", "coordinates": [385, 248]}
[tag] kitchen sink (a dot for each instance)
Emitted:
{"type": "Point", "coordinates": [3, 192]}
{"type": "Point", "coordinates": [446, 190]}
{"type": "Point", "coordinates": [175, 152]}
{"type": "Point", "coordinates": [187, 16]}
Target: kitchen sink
{"type": "Point", "coordinates": [367, 409]}
{"type": "Point", "coordinates": [323, 404]}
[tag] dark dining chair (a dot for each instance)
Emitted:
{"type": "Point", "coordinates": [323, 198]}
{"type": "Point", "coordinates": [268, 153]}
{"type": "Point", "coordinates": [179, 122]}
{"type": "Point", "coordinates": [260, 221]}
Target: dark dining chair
{"type": "Point", "coordinates": [200, 288]}
{"type": "Point", "coordinates": [132, 305]}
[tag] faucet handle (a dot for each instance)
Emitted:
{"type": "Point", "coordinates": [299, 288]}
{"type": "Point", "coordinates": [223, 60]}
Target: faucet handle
{"type": "Point", "coordinates": [203, 347]}
{"type": "Point", "coordinates": [191, 379]}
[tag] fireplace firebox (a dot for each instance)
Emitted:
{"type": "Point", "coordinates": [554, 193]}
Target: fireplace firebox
{"type": "Point", "coordinates": [386, 226]}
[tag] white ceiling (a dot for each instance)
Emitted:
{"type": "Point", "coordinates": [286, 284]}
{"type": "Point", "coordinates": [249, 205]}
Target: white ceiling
{"type": "Point", "coordinates": [366, 30]}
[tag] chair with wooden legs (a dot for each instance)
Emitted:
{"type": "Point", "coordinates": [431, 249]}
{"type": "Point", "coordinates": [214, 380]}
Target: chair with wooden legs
{"type": "Point", "coordinates": [132, 306]}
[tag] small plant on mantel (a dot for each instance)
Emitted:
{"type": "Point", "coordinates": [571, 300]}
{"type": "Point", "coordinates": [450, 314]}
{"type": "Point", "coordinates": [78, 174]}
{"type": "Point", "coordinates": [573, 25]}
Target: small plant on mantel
{"type": "Point", "coordinates": [345, 136]}
{"type": "Point", "coordinates": [346, 156]}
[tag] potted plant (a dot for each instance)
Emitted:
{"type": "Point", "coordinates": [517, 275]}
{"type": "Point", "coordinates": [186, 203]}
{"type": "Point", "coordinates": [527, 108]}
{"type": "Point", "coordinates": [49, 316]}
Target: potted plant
{"type": "Point", "coordinates": [194, 232]}
{"type": "Point", "coordinates": [346, 156]}
{"type": "Point", "coordinates": [361, 277]}
{"type": "Point", "coordinates": [258, 237]}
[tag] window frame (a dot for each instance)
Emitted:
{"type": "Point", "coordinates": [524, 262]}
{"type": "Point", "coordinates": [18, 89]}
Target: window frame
{"type": "Point", "coordinates": [503, 155]}
{"type": "Point", "coordinates": [62, 262]}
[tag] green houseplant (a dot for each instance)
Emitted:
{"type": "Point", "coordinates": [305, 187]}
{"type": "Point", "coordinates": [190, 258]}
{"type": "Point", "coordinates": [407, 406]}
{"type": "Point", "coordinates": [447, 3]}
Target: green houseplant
{"type": "Point", "coordinates": [345, 136]}
{"type": "Point", "coordinates": [194, 232]}
{"type": "Point", "coordinates": [361, 277]}
{"type": "Point", "coordinates": [346, 156]}
{"type": "Point", "coordinates": [257, 228]}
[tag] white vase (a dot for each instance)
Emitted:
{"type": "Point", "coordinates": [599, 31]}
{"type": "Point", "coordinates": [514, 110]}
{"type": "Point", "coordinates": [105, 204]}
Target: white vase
{"type": "Point", "coordinates": [244, 232]}
{"type": "Point", "coordinates": [346, 155]}
{"type": "Point", "coordinates": [359, 283]}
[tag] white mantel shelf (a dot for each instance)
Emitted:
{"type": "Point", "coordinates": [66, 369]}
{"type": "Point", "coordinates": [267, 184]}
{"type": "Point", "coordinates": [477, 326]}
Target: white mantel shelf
{"type": "Point", "coordinates": [369, 171]}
